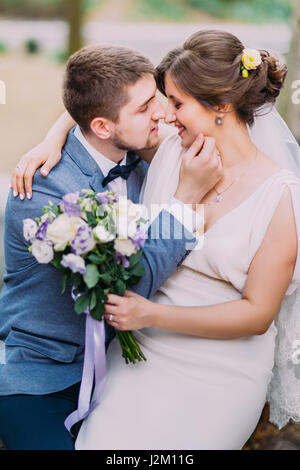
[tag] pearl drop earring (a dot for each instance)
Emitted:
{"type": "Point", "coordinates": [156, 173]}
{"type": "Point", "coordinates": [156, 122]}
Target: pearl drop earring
{"type": "Point", "coordinates": [219, 121]}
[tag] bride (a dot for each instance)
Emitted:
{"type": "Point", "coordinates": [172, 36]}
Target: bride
{"type": "Point", "coordinates": [219, 334]}
{"type": "Point", "coordinates": [209, 332]}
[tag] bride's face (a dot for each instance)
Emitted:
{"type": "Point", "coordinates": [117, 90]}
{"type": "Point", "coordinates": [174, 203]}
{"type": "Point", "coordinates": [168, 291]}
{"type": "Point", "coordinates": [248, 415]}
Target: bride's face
{"type": "Point", "coordinates": [188, 115]}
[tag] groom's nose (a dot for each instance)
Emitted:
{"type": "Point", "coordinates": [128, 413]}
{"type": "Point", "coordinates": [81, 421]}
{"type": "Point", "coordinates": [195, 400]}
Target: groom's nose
{"type": "Point", "coordinates": [158, 112]}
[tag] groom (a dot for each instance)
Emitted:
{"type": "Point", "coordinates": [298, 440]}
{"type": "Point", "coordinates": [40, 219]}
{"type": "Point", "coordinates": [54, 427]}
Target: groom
{"type": "Point", "coordinates": [110, 93]}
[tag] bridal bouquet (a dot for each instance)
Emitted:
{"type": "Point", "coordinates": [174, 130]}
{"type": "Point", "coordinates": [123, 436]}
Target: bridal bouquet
{"type": "Point", "coordinates": [96, 241]}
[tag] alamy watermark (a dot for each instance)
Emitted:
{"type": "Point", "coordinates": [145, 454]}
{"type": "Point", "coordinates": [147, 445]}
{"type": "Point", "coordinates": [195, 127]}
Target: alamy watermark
{"type": "Point", "coordinates": [2, 92]}
{"type": "Point", "coordinates": [165, 221]}
{"type": "Point", "coordinates": [296, 353]}
{"type": "Point", "coordinates": [296, 94]}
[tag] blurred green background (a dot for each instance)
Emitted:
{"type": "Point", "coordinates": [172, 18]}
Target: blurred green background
{"type": "Point", "coordinates": [244, 10]}
{"type": "Point", "coordinates": [37, 36]}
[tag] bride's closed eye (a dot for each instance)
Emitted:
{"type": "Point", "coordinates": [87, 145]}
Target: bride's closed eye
{"type": "Point", "coordinates": [177, 105]}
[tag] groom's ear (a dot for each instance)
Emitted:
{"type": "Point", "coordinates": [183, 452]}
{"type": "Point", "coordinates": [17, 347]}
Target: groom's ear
{"type": "Point", "coordinates": [101, 127]}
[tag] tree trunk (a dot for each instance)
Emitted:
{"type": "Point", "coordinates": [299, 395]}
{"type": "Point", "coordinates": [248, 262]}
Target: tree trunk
{"type": "Point", "coordinates": [74, 15]}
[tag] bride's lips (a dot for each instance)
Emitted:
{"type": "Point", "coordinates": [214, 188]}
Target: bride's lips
{"type": "Point", "coordinates": [181, 129]}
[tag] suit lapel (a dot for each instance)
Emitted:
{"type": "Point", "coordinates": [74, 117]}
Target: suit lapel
{"type": "Point", "coordinates": [90, 168]}
{"type": "Point", "coordinates": [85, 162]}
{"type": "Point", "coordinates": [133, 182]}
{"type": "Point", "coordinates": [96, 182]}
{"type": "Point", "coordinates": [133, 187]}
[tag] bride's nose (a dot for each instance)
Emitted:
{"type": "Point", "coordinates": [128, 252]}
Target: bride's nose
{"type": "Point", "coordinates": [169, 115]}
{"type": "Point", "coordinates": [159, 112]}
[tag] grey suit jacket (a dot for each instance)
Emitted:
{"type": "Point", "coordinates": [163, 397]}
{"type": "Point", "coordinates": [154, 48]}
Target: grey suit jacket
{"type": "Point", "coordinates": [44, 337]}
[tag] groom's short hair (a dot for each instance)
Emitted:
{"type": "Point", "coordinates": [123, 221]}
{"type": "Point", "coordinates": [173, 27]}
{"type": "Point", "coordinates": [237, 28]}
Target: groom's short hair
{"type": "Point", "coordinates": [96, 80]}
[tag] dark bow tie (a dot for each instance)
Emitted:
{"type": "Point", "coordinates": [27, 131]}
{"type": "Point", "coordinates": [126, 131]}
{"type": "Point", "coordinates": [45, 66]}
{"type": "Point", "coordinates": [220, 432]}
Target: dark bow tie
{"type": "Point", "coordinates": [120, 170]}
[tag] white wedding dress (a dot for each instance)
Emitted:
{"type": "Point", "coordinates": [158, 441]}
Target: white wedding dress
{"type": "Point", "coordinates": [193, 392]}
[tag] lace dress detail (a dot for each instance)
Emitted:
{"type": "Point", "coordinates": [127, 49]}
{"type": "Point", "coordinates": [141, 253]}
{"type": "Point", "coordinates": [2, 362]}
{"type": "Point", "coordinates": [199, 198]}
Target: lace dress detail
{"type": "Point", "coordinates": [284, 390]}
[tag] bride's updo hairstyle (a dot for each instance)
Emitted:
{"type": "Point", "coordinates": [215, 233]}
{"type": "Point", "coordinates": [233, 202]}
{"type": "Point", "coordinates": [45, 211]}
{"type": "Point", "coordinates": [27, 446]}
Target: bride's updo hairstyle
{"type": "Point", "coordinates": [208, 67]}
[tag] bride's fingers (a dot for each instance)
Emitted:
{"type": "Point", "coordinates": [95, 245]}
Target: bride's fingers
{"type": "Point", "coordinates": [111, 308]}
{"type": "Point", "coordinates": [128, 293]}
{"type": "Point", "coordinates": [114, 299]}
{"type": "Point", "coordinates": [28, 177]}
{"type": "Point", "coordinates": [50, 163]}
{"type": "Point", "coordinates": [13, 184]}
{"type": "Point", "coordinates": [20, 171]}
{"type": "Point", "coordinates": [195, 148]}
{"type": "Point", "coordinates": [15, 178]}
{"type": "Point", "coordinates": [113, 322]}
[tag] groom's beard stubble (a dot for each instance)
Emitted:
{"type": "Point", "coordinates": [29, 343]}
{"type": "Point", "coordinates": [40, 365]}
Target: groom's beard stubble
{"type": "Point", "coordinates": [121, 144]}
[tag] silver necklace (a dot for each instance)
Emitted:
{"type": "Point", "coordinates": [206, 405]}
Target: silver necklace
{"type": "Point", "coordinates": [219, 197]}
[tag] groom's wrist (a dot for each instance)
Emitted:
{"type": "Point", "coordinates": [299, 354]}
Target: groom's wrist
{"type": "Point", "coordinates": [191, 216]}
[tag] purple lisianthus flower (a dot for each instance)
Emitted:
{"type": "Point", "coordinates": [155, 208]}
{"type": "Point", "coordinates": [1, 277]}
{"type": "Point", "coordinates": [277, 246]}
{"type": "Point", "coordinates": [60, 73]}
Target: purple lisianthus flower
{"type": "Point", "coordinates": [83, 241]}
{"type": "Point", "coordinates": [71, 205]}
{"type": "Point", "coordinates": [139, 238]}
{"type": "Point", "coordinates": [121, 259]}
{"type": "Point", "coordinates": [42, 230]}
{"type": "Point", "coordinates": [103, 198]}
{"type": "Point", "coordinates": [74, 263]}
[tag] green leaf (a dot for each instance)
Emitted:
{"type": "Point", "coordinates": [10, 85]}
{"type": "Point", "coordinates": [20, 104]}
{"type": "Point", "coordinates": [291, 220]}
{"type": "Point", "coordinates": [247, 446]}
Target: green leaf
{"type": "Point", "coordinates": [98, 311]}
{"type": "Point", "coordinates": [64, 283]}
{"type": "Point", "coordinates": [99, 292]}
{"type": "Point", "coordinates": [91, 275]}
{"type": "Point", "coordinates": [57, 262]}
{"type": "Point", "coordinates": [120, 287]}
{"type": "Point", "coordinates": [134, 259]}
{"type": "Point", "coordinates": [91, 218]}
{"type": "Point", "coordinates": [96, 259]}
{"type": "Point", "coordinates": [133, 281]}
{"type": "Point", "coordinates": [106, 278]}
{"type": "Point", "coordinates": [138, 270]}
{"type": "Point", "coordinates": [82, 303]}
{"type": "Point", "coordinates": [75, 279]}
{"type": "Point", "coordinates": [93, 300]}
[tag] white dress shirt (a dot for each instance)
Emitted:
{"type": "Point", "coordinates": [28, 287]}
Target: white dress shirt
{"type": "Point", "coordinates": [118, 185]}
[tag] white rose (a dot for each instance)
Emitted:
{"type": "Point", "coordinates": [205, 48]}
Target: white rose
{"type": "Point", "coordinates": [42, 251]}
{"type": "Point", "coordinates": [127, 215]}
{"type": "Point", "coordinates": [62, 230]}
{"type": "Point", "coordinates": [103, 235]}
{"type": "Point", "coordinates": [29, 229]}
{"type": "Point", "coordinates": [125, 247]}
{"type": "Point", "coordinates": [251, 59]}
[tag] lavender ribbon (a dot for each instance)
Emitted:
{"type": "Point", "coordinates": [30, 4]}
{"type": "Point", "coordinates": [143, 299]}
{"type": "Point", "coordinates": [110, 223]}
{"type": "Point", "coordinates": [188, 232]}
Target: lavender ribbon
{"type": "Point", "coordinates": [94, 366]}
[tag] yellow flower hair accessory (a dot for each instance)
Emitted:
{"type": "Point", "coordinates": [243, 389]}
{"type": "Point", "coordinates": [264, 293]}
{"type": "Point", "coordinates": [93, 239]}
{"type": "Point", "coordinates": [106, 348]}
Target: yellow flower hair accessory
{"type": "Point", "coordinates": [251, 59]}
